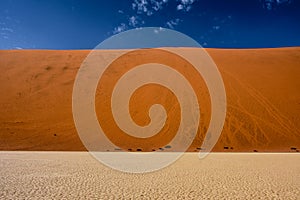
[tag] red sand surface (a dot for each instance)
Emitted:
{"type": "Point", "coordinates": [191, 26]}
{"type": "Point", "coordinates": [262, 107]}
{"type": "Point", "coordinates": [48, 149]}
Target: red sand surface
{"type": "Point", "coordinates": [262, 88]}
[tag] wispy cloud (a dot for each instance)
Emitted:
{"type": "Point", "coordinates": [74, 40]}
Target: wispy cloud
{"type": "Point", "coordinates": [158, 30]}
{"type": "Point", "coordinates": [141, 6]}
{"type": "Point", "coordinates": [5, 32]}
{"type": "Point", "coordinates": [185, 5]}
{"type": "Point", "coordinates": [180, 7]}
{"type": "Point", "coordinates": [7, 29]}
{"type": "Point", "coordinates": [273, 4]}
{"type": "Point", "coordinates": [172, 23]}
{"type": "Point", "coordinates": [122, 27]}
{"type": "Point", "coordinates": [144, 9]}
{"type": "Point", "coordinates": [148, 7]}
{"type": "Point", "coordinates": [158, 5]}
{"type": "Point", "coordinates": [135, 21]}
{"type": "Point", "coordinates": [216, 27]}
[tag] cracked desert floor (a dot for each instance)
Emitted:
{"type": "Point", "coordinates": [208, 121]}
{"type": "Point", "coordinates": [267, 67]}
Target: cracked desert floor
{"type": "Point", "coordinates": [77, 175]}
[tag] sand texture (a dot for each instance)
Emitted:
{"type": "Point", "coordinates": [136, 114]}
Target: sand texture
{"type": "Point", "coordinates": [69, 175]}
{"type": "Point", "coordinates": [262, 88]}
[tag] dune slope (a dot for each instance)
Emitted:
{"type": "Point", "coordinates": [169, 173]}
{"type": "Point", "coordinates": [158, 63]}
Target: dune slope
{"type": "Point", "coordinates": [262, 88]}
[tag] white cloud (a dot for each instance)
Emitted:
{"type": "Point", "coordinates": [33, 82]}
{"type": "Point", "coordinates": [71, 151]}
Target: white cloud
{"type": "Point", "coordinates": [188, 8]}
{"type": "Point", "coordinates": [158, 5]}
{"type": "Point", "coordinates": [179, 7]}
{"type": "Point", "coordinates": [169, 24]}
{"type": "Point", "coordinates": [140, 6]}
{"type": "Point", "coordinates": [216, 27]}
{"type": "Point", "coordinates": [142, 9]}
{"type": "Point", "coordinates": [18, 48]}
{"type": "Point", "coordinates": [187, 2]}
{"type": "Point", "coordinates": [148, 7]}
{"type": "Point", "coordinates": [172, 23]}
{"type": "Point", "coordinates": [185, 5]}
{"type": "Point", "coordinates": [7, 29]}
{"type": "Point", "coordinates": [158, 30]}
{"type": "Point", "coordinates": [133, 21]}
{"type": "Point", "coordinates": [122, 27]}
{"type": "Point", "coordinates": [149, 13]}
{"type": "Point", "coordinates": [5, 32]}
{"type": "Point", "coordinates": [273, 4]}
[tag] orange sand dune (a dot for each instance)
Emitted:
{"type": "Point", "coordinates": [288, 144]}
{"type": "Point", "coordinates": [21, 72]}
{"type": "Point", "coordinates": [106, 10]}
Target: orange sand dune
{"type": "Point", "coordinates": [262, 88]}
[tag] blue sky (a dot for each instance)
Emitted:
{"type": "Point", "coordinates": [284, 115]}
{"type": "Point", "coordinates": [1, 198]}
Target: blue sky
{"type": "Point", "coordinates": [79, 24]}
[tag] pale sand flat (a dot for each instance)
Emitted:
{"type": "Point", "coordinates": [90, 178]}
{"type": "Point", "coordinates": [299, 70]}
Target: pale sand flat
{"type": "Point", "coordinates": [69, 175]}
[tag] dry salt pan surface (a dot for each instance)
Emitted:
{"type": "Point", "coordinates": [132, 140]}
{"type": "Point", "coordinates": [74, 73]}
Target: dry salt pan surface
{"type": "Point", "coordinates": [69, 175]}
